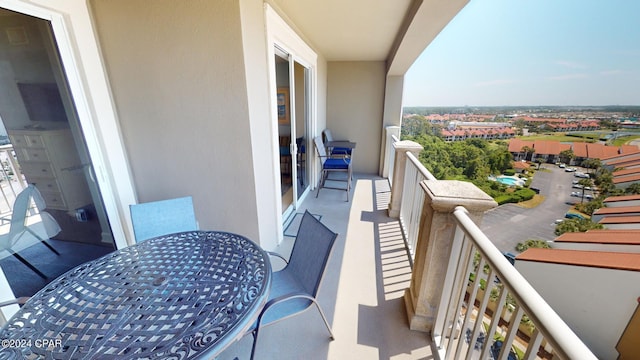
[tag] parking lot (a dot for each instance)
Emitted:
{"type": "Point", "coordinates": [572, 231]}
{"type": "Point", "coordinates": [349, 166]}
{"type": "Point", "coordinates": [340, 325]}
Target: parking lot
{"type": "Point", "coordinates": [509, 224]}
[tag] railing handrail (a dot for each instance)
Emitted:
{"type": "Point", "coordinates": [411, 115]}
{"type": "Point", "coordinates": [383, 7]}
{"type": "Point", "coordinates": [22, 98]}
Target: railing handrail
{"type": "Point", "coordinates": [556, 332]}
{"type": "Point", "coordinates": [423, 170]}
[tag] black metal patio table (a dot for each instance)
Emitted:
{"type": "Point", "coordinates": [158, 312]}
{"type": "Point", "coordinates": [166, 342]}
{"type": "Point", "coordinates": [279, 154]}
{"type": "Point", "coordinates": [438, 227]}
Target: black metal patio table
{"type": "Point", "coordinates": [180, 296]}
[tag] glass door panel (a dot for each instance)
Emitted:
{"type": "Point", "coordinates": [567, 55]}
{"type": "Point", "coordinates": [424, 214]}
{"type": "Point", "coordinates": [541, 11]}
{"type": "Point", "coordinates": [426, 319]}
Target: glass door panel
{"type": "Point", "coordinates": [43, 145]}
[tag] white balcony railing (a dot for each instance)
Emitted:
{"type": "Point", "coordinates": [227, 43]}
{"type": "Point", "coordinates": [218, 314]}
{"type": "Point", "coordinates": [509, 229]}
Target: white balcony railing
{"type": "Point", "coordinates": [11, 180]}
{"type": "Point", "coordinates": [412, 201]}
{"type": "Point", "coordinates": [463, 291]}
{"type": "Point", "coordinates": [483, 312]}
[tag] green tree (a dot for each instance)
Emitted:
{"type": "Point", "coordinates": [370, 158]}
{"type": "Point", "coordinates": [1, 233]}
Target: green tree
{"type": "Point", "coordinates": [499, 160]}
{"type": "Point", "coordinates": [527, 150]}
{"type": "Point", "coordinates": [633, 189]}
{"type": "Point", "coordinates": [584, 183]}
{"type": "Point", "coordinates": [590, 207]}
{"type": "Point", "coordinates": [566, 156]}
{"type": "Point", "coordinates": [592, 164]}
{"type": "Point", "coordinates": [532, 243]}
{"type": "Point", "coordinates": [603, 178]}
{"type": "Point", "coordinates": [576, 225]}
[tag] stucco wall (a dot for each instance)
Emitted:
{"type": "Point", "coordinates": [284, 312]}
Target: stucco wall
{"type": "Point", "coordinates": [355, 102]}
{"type": "Point", "coordinates": [177, 74]}
{"type": "Point", "coordinates": [596, 303]}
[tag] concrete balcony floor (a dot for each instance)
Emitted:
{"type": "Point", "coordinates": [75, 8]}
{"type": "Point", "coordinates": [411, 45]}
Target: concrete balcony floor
{"type": "Point", "coordinates": [362, 291]}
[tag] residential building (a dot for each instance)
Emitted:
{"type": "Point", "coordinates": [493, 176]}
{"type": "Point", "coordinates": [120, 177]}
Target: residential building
{"type": "Point", "coordinates": [549, 150]}
{"type": "Point", "coordinates": [600, 240]}
{"type": "Point", "coordinates": [588, 277]}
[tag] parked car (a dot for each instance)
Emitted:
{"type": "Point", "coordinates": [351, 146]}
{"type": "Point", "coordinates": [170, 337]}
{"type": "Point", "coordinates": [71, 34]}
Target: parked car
{"type": "Point", "coordinates": [576, 193]}
{"type": "Point", "coordinates": [570, 169]}
{"type": "Point", "coordinates": [577, 186]}
{"type": "Point", "coordinates": [562, 165]}
{"type": "Point", "coordinates": [511, 257]}
{"type": "Point", "coordinates": [588, 197]}
{"type": "Point", "coordinates": [581, 175]}
{"type": "Point", "coordinates": [573, 216]}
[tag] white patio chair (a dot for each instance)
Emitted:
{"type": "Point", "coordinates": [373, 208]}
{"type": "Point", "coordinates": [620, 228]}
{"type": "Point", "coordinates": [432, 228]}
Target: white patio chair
{"type": "Point", "coordinates": [19, 230]}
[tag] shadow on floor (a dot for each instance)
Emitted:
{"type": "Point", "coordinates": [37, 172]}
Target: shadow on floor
{"type": "Point", "coordinates": [25, 282]}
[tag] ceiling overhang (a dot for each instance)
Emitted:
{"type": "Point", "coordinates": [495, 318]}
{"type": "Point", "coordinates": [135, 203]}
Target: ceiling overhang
{"type": "Point", "coordinates": [369, 30]}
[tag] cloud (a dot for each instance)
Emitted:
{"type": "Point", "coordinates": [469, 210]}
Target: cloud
{"type": "Point", "coordinates": [610, 72]}
{"type": "Point", "coordinates": [567, 77]}
{"type": "Point", "coordinates": [571, 64]}
{"type": "Point", "coordinates": [494, 82]}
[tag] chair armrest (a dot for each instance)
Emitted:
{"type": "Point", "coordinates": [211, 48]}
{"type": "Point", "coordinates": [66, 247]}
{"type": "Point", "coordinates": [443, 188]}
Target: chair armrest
{"type": "Point", "coordinates": [285, 297]}
{"type": "Point", "coordinates": [19, 301]}
{"type": "Point", "coordinates": [275, 254]}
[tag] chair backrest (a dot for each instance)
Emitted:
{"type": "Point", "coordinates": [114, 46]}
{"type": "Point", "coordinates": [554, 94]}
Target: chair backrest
{"type": "Point", "coordinates": [18, 217]}
{"type": "Point", "coordinates": [19, 212]}
{"type": "Point", "coordinates": [163, 217]}
{"type": "Point", "coordinates": [322, 152]}
{"type": "Point", "coordinates": [310, 253]}
{"type": "Point", "coordinates": [327, 135]}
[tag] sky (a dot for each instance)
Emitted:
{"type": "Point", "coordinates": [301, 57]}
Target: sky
{"type": "Point", "coordinates": [532, 52]}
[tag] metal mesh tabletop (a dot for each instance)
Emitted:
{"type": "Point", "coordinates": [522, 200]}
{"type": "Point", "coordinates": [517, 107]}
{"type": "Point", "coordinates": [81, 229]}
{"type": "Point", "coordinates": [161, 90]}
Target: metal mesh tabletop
{"type": "Point", "coordinates": [179, 296]}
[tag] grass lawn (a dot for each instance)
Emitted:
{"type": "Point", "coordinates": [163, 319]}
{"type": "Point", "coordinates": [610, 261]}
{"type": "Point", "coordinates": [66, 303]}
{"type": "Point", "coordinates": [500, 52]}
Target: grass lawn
{"type": "Point", "coordinates": [530, 204]}
{"type": "Point", "coordinates": [562, 137]}
{"type": "Point", "coordinates": [624, 140]}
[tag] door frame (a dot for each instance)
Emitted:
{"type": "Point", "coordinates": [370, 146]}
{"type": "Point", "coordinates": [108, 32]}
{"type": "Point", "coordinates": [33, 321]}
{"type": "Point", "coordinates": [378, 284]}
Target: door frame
{"type": "Point", "coordinates": [91, 95]}
{"type": "Point", "coordinates": [281, 35]}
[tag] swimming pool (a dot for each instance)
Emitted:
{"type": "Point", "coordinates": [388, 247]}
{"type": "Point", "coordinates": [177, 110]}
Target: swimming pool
{"type": "Point", "coordinates": [510, 180]}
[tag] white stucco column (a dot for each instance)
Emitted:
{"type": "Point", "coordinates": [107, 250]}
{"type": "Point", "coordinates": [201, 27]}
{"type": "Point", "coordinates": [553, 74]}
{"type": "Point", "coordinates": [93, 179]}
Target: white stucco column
{"type": "Point", "coordinates": [437, 227]}
{"type": "Point", "coordinates": [400, 162]}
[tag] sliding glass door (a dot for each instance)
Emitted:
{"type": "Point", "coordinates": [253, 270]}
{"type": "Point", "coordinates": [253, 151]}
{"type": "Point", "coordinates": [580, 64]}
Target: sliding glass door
{"type": "Point", "coordinates": [42, 144]}
{"type": "Point", "coordinates": [293, 108]}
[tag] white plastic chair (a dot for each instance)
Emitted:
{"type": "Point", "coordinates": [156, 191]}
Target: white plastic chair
{"type": "Point", "coordinates": [19, 230]}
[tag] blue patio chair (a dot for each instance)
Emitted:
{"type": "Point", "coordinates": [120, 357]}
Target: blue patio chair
{"type": "Point", "coordinates": [333, 163]}
{"type": "Point", "coordinates": [294, 288]}
{"type": "Point", "coordinates": [20, 231]}
{"type": "Point", "coordinates": [163, 217]}
{"type": "Point", "coordinates": [335, 150]}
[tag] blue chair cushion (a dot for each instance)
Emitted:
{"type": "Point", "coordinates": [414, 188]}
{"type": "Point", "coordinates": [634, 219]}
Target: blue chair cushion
{"type": "Point", "coordinates": [341, 151]}
{"type": "Point", "coordinates": [337, 164]}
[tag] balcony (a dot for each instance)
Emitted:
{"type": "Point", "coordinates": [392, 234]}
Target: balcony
{"type": "Point", "coordinates": [372, 301]}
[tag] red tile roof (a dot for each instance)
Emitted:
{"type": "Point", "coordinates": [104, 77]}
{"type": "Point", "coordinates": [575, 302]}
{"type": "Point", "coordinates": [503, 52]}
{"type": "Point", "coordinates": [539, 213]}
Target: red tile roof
{"type": "Point", "coordinates": [580, 150]}
{"type": "Point", "coordinates": [621, 158]}
{"type": "Point", "coordinates": [620, 220]}
{"type": "Point", "coordinates": [629, 149]}
{"type": "Point", "coordinates": [598, 259]}
{"type": "Point", "coordinates": [520, 165]}
{"type": "Point", "coordinates": [516, 145]}
{"type": "Point", "coordinates": [548, 147]}
{"type": "Point", "coordinates": [617, 210]}
{"type": "Point", "coordinates": [622, 198]}
{"type": "Point", "coordinates": [625, 179]}
{"type": "Point", "coordinates": [626, 172]}
{"type": "Point", "coordinates": [617, 237]}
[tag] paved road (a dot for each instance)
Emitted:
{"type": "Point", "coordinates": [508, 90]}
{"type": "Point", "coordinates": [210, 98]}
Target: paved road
{"type": "Point", "coordinates": [509, 224]}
